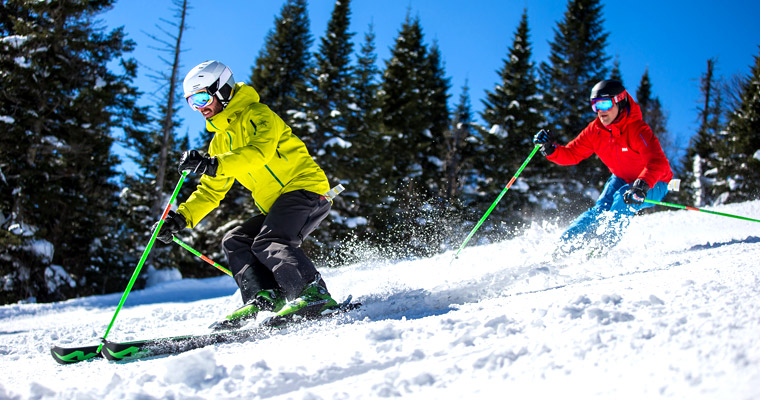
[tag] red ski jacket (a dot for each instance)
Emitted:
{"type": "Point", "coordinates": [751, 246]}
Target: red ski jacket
{"type": "Point", "coordinates": [627, 147]}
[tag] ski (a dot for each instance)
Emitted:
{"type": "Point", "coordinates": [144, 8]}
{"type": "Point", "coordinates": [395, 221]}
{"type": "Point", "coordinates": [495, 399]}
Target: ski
{"type": "Point", "coordinates": [117, 351]}
{"type": "Point", "coordinates": [71, 355]}
{"type": "Point", "coordinates": [140, 349]}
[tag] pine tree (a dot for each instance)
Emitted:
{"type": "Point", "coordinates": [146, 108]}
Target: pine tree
{"type": "Point", "coordinates": [281, 74]}
{"type": "Point", "coordinates": [60, 103]}
{"type": "Point", "coordinates": [615, 73]}
{"type": "Point", "coordinates": [653, 114]}
{"type": "Point", "coordinates": [701, 163]}
{"type": "Point", "coordinates": [741, 161]}
{"type": "Point", "coordinates": [577, 61]}
{"type": "Point", "coordinates": [329, 109]}
{"type": "Point", "coordinates": [414, 89]}
{"type": "Point", "coordinates": [356, 162]}
{"type": "Point", "coordinates": [331, 83]}
{"type": "Point", "coordinates": [460, 190]}
{"type": "Point", "coordinates": [462, 143]}
{"type": "Point", "coordinates": [513, 114]}
{"type": "Point", "coordinates": [403, 103]}
{"type": "Point", "coordinates": [437, 87]}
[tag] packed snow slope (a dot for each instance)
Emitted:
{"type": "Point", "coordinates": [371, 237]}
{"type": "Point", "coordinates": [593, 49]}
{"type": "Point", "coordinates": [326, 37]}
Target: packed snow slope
{"type": "Point", "coordinates": [673, 312]}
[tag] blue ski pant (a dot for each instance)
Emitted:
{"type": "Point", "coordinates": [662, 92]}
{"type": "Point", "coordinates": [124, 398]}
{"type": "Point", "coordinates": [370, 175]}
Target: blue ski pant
{"type": "Point", "coordinates": [609, 217]}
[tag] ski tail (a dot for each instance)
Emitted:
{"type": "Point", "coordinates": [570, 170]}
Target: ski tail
{"type": "Point", "coordinates": [72, 355]}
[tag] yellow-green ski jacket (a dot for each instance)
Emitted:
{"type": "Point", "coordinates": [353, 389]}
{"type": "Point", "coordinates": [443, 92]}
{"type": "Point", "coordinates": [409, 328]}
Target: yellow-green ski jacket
{"type": "Point", "coordinates": [255, 147]}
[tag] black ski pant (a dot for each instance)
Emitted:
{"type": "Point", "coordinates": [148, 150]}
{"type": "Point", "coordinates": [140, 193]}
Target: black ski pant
{"type": "Point", "coordinates": [264, 252]}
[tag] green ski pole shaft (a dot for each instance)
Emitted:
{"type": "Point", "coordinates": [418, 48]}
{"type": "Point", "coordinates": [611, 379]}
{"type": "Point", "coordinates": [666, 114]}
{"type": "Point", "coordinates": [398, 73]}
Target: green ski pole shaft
{"type": "Point", "coordinates": [201, 256]}
{"type": "Point", "coordinates": [701, 210]}
{"type": "Point", "coordinates": [503, 192]}
{"type": "Point", "coordinates": [144, 256]}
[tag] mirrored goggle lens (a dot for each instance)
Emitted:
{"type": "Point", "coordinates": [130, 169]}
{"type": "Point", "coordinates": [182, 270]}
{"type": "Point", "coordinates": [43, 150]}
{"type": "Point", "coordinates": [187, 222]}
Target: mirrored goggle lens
{"type": "Point", "coordinates": [199, 100]}
{"type": "Point", "coordinates": [601, 104]}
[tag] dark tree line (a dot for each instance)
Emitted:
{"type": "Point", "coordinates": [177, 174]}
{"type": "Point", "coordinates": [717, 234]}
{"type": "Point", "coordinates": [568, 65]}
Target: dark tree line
{"type": "Point", "coordinates": [418, 170]}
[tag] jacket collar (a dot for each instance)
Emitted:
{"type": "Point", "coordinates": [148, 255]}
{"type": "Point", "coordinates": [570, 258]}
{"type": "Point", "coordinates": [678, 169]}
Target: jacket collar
{"type": "Point", "coordinates": [243, 96]}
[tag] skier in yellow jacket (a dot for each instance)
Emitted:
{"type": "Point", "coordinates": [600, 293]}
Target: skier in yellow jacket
{"type": "Point", "coordinates": [254, 146]}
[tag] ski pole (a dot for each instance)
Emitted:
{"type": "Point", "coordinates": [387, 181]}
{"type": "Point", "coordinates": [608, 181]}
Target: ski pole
{"type": "Point", "coordinates": [514, 178]}
{"type": "Point", "coordinates": [699, 209]}
{"type": "Point", "coordinates": [201, 256]}
{"type": "Point", "coordinates": [144, 256]}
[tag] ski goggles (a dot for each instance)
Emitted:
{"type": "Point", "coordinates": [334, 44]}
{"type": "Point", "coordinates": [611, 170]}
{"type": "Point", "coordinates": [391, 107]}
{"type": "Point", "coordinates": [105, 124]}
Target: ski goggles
{"type": "Point", "coordinates": [200, 99]}
{"type": "Point", "coordinates": [605, 103]}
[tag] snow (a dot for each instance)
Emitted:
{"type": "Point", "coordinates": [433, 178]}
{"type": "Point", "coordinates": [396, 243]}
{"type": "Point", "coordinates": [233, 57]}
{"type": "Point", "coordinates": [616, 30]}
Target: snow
{"type": "Point", "coordinates": [56, 276]}
{"type": "Point", "coordinates": [336, 141]}
{"type": "Point", "coordinates": [498, 130]}
{"type": "Point", "coordinates": [672, 312]}
{"type": "Point", "coordinates": [42, 249]}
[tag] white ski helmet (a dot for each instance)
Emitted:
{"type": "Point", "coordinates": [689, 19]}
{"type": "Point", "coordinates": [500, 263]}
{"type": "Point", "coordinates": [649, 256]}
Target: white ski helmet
{"type": "Point", "coordinates": [213, 76]}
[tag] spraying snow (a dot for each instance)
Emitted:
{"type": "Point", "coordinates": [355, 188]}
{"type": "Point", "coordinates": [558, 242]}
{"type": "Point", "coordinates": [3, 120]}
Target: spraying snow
{"type": "Point", "coordinates": [672, 312]}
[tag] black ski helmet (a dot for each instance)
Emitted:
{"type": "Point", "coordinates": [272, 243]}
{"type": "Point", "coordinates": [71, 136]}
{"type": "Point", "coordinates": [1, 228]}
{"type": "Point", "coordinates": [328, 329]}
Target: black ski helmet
{"type": "Point", "coordinates": [611, 88]}
{"type": "Point", "coordinates": [607, 88]}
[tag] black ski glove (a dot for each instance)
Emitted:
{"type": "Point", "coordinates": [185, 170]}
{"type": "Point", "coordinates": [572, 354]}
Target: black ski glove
{"type": "Point", "coordinates": [637, 193]}
{"type": "Point", "coordinates": [545, 138]}
{"type": "Point", "coordinates": [196, 163]}
{"type": "Point", "coordinates": [173, 223]}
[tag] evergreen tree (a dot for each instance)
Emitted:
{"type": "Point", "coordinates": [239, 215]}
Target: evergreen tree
{"type": "Point", "coordinates": [60, 103]}
{"type": "Point", "coordinates": [701, 163]}
{"type": "Point", "coordinates": [437, 87]}
{"type": "Point", "coordinates": [329, 110]}
{"type": "Point", "coordinates": [653, 114]}
{"type": "Point", "coordinates": [615, 73]}
{"type": "Point", "coordinates": [577, 61]}
{"type": "Point", "coordinates": [460, 188]}
{"type": "Point", "coordinates": [513, 114]}
{"type": "Point", "coordinates": [414, 90]}
{"type": "Point", "coordinates": [741, 165]}
{"type": "Point", "coordinates": [281, 74]}
{"type": "Point", "coordinates": [403, 105]}
{"type": "Point", "coordinates": [462, 144]}
{"type": "Point", "coordinates": [356, 161]}
{"type": "Point", "coordinates": [331, 82]}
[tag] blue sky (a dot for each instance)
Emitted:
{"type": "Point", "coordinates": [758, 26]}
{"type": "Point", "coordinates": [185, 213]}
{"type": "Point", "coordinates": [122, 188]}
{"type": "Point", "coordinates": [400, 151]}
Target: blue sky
{"type": "Point", "coordinates": [673, 39]}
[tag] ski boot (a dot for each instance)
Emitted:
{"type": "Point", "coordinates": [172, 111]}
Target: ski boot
{"type": "Point", "coordinates": [313, 302]}
{"type": "Point", "coordinates": [265, 300]}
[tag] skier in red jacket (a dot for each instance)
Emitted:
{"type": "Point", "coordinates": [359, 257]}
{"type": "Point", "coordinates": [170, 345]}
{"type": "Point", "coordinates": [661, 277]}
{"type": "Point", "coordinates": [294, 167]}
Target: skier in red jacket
{"type": "Point", "coordinates": [627, 146]}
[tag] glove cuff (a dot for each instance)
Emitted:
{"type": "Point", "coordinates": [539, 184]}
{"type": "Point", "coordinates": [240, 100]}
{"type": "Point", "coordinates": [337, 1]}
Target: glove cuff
{"type": "Point", "coordinates": [547, 149]}
{"type": "Point", "coordinates": [176, 219]}
{"type": "Point", "coordinates": [640, 184]}
{"type": "Point", "coordinates": [213, 165]}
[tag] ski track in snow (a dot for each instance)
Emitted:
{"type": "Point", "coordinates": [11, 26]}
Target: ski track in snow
{"type": "Point", "coordinates": [672, 312]}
